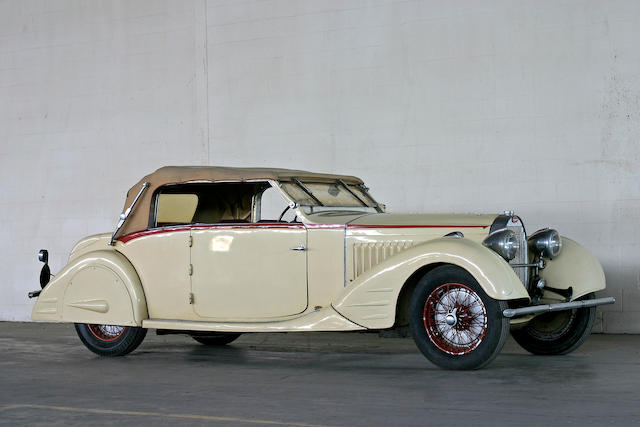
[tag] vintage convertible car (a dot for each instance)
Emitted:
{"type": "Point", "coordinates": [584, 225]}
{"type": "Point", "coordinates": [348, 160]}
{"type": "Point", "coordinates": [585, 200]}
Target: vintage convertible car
{"type": "Point", "coordinates": [215, 252]}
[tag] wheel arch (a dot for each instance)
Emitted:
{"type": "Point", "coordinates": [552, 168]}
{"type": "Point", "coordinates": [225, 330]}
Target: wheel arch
{"type": "Point", "coordinates": [402, 303]}
{"type": "Point", "coordinates": [101, 287]}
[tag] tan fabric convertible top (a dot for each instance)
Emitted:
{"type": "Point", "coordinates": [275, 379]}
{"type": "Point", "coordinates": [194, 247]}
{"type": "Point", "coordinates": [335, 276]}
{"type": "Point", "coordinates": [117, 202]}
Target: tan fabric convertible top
{"type": "Point", "coordinates": [139, 218]}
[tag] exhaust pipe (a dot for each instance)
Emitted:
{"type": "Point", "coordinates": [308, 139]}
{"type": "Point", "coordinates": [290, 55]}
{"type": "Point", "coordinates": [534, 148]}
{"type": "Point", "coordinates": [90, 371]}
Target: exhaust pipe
{"type": "Point", "coordinates": [534, 309]}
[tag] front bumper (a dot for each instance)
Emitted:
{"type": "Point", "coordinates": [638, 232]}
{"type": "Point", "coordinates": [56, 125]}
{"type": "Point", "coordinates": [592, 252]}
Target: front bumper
{"type": "Point", "coordinates": [545, 308]}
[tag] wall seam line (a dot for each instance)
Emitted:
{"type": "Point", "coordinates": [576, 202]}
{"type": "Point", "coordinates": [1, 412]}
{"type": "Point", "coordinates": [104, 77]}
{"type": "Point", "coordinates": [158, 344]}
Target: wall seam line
{"type": "Point", "coordinates": [206, 79]}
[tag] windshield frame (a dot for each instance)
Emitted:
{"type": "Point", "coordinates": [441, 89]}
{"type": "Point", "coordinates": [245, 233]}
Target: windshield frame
{"type": "Point", "coordinates": [317, 203]}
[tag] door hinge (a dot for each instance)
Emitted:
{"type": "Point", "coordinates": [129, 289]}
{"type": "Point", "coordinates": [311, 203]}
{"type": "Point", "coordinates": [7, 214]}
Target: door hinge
{"type": "Point", "coordinates": [190, 269]}
{"type": "Point", "coordinates": [190, 241]}
{"type": "Point", "coordinates": [191, 299]}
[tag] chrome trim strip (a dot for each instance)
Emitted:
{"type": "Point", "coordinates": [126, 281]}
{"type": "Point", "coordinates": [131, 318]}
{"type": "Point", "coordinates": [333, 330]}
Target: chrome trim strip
{"type": "Point", "coordinates": [516, 312]}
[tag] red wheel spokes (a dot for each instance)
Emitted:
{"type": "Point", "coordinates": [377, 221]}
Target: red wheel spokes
{"type": "Point", "coordinates": [107, 333]}
{"type": "Point", "coordinates": [469, 313]}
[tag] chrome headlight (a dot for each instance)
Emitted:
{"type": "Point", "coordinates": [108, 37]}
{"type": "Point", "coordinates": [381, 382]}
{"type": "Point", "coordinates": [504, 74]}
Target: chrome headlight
{"type": "Point", "coordinates": [546, 243]}
{"type": "Point", "coordinates": [503, 242]}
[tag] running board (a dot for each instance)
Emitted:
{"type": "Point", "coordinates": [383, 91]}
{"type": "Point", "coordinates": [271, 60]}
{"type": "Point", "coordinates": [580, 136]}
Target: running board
{"type": "Point", "coordinates": [324, 319]}
{"type": "Point", "coordinates": [516, 312]}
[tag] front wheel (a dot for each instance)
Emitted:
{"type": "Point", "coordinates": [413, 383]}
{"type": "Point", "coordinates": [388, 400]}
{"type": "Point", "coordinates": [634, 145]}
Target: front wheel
{"type": "Point", "coordinates": [110, 340]}
{"type": "Point", "coordinates": [558, 332]}
{"type": "Point", "coordinates": [454, 323]}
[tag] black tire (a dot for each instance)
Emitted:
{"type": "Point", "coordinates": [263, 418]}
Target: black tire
{"type": "Point", "coordinates": [217, 339]}
{"type": "Point", "coordinates": [109, 340]}
{"type": "Point", "coordinates": [558, 332]}
{"type": "Point", "coordinates": [479, 330]}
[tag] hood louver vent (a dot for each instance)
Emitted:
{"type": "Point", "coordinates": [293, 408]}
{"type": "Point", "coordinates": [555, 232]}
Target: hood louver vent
{"type": "Point", "coordinates": [367, 255]}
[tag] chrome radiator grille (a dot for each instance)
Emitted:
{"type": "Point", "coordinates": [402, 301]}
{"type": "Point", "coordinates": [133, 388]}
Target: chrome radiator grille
{"type": "Point", "coordinates": [514, 223]}
{"type": "Point", "coordinates": [369, 254]}
{"type": "Point", "coordinates": [522, 255]}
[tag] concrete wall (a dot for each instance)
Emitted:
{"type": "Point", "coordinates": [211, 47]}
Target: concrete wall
{"type": "Point", "coordinates": [439, 106]}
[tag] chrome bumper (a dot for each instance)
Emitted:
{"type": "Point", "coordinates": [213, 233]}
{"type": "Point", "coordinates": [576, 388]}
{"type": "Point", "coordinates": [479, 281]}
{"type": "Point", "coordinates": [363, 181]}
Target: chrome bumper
{"type": "Point", "coordinates": [516, 312]}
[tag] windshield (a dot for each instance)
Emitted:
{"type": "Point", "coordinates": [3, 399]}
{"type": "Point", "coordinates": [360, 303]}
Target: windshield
{"type": "Point", "coordinates": [329, 195]}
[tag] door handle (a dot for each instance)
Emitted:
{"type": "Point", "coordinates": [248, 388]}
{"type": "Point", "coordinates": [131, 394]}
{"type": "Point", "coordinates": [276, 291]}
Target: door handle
{"type": "Point", "coordinates": [299, 248]}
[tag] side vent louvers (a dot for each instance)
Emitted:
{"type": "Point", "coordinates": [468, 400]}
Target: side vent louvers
{"type": "Point", "coordinates": [369, 254]}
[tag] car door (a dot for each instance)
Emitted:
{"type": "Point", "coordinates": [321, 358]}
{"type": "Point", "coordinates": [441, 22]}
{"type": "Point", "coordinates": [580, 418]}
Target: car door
{"type": "Point", "coordinates": [248, 268]}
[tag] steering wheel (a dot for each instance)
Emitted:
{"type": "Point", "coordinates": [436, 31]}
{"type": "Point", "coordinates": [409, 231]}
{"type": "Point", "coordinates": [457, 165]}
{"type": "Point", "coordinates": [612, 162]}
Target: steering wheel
{"type": "Point", "coordinates": [284, 212]}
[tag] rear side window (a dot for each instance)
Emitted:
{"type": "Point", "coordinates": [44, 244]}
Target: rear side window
{"type": "Point", "coordinates": [176, 208]}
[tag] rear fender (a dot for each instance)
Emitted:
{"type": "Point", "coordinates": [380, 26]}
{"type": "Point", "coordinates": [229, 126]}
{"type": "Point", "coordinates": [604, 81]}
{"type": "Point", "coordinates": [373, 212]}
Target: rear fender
{"type": "Point", "coordinates": [100, 287]}
{"type": "Point", "coordinates": [371, 299]}
{"type": "Point", "coordinates": [574, 267]}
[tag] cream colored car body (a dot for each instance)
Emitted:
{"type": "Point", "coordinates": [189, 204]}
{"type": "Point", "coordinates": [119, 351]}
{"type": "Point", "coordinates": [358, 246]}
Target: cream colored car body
{"type": "Point", "coordinates": [356, 272]}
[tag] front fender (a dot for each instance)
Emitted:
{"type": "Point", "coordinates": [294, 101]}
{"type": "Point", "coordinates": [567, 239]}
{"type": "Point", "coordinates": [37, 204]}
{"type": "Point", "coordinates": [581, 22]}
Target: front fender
{"type": "Point", "coordinates": [574, 267]}
{"type": "Point", "coordinates": [100, 287]}
{"type": "Point", "coordinates": [371, 299]}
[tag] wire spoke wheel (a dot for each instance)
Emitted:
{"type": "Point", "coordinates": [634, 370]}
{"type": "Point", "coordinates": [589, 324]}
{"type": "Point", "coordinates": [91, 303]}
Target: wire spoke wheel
{"type": "Point", "coordinates": [107, 333]}
{"type": "Point", "coordinates": [110, 340]}
{"type": "Point", "coordinates": [453, 321]}
{"type": "Point", "coordinates": [455, 318]}
{"type": "Point", "coordinates": [551, 326]}
{"type": "Point", "coordinates": [557, 333]}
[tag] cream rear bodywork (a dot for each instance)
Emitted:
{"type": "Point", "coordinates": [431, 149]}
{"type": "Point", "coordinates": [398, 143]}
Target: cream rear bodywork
{"type": "Point", "coordinates": [99, 287]}
{"type": "Point", "coordinates": [162, 262]}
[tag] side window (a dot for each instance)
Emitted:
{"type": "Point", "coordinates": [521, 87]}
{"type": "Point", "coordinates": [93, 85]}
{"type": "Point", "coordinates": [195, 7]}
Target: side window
{"type": "Point", "coordinates": [204, 203]}
{"type": "Point", "coordinates": [272, 204]}
{"type": "Point", "coordinates": [175, 209]}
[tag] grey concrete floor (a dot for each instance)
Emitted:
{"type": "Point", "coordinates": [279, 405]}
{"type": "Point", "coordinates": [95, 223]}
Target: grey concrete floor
{"type": "Point", "coordinates": [330, 379]}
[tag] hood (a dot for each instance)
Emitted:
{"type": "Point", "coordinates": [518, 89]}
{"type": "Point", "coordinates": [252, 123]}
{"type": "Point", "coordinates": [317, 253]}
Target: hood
{"type": "Point", "coordinates": [355, 219]}
{"type": "Point", "coordinates": [332, 217]}
{"type": "Point", "coordinates": [373, 238]}
{"type": "Point", "coordinates": [424, 220]}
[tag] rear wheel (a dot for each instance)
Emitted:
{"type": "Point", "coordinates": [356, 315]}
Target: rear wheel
{"type": "Point", "coordinates": [454, 323]}
{"type": "Point", "coordinates": [110, 340]}
{"type": "Point", "coordinates": [558, 332]}
{"type": "Point", "coordinates": [217, 339]}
